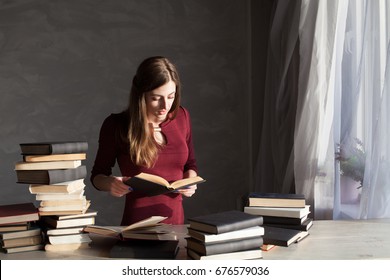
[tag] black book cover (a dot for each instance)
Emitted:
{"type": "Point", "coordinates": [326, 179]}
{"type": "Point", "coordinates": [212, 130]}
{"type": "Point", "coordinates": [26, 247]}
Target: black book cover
{"type": "Point", "coordinates": [282, 236]}
{"type": "Point", "coordinates": [51, 176]}
{"type": "Point", "coordinates": [145, 249]}
{"type": "Point", "coordinates": [283, 220]}
{"type": "Point", "coordinates": [225, 221]}
{"type": "Point", "coordinates": [51, 148]}
{"type": "Point", "coordinates": [224, 247]}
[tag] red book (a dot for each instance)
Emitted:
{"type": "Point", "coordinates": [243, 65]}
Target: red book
{"type": "Point", "coordinates": [15, 213]}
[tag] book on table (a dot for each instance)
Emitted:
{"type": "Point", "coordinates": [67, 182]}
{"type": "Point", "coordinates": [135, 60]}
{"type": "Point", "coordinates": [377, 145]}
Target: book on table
{"type": "Point", "coordinates": [214, 248]}
{"type": "Point", "coordinates": [282, 236]}
{"type": "Point", "coordinates": [22, 241]}
{"type": "Point", "coordinates": [225, 221]}
{"type": "Point", "coordinates": [63, 210]}
{"type": "Point", "coordinates": [28, 248]}
{"type": "Point", "coordinates": [47, 165]}
{"type": "Point", "coordinates": [19, 212]}
{"type": "Point", "coordinates": [14, 227]}
{"type": "Point", "coordinates": [22, 233]}
{"type": "Point", "coordinates": [69, 238]}
{"type": "Point", "coordinates": [276, 200]}
{"type": "Point", "coordinates": [51, 176]}
{"type": "Point", "coordinates": [55, 157]}
{"type": "Point", "coordinates": [58, 188]}
{"type": "Point", "coordinates": [55, 147]}
{"type": "Point", "coordinates": [227, 236]}
{"type": "Point", "coordinates": [145, 249]}
{"type": "Point", "coordinates": [150, 228]}
{"type": "Point", "coordinates": [304, 226]}
{"type": "Point", "coordinates": [67, 221]}
{"type": "Point", "coordinates": [239, 255]}
{"type": "Point", "coordinates": [291, 212]}
{"type": "Point", "coordinates": [283, 220]}
{"type": "Point", "coordinates": [151, 185]}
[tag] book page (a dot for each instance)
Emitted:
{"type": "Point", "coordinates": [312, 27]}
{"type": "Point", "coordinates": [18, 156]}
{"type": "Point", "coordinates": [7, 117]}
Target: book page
{"type": "Point", "coordinates": [153, 178]}
{"type": "Point", "coordinates": [187, 182]}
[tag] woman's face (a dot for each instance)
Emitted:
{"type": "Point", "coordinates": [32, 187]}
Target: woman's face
{"type": "Point", "coordinates": [159, 101]}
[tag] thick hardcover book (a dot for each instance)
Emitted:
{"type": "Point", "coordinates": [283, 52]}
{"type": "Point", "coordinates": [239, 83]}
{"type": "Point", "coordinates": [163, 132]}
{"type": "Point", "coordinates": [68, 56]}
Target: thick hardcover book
{"type": "Point", "coordinates": [145, 249]}
{"type": "Point", "coordinates": [276, 200]}
{"type": "Point", "coordinates": [24, 248]}
{"type": "Point", "coordinates": [290, 212]}
{"type": "Point", "coordinates": [231, 235]}
{"type": "Point", "coordinates": [22, 241]}
{"type": "Point", "coordinates": [283, 220]}
{"type": "Point", "coordinates": [282, 236]}
{"type": "Point", "coordinates": [239, 255]}
{"type": "Point", "coordinates": [54, 222]}
{"type": "Point", "coordinates": [151, 185]}
{"type": "Point", "coordinates": [49, 148]}
{"type": "Point", "coordinates": [224, 247]}
{"type": "Point", "coordinates": [22, 233]}
{"type": "Point", "coordinates": [15, 213]}
{"type": "Point", "coordinates": [305, 226]}
{"type": "Point", "coordinates": [51, 176]}
{"type": "Point", "coordinates": [224, 221]}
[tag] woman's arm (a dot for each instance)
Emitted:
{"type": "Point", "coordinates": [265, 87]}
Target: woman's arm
{"type": "Point", "coordinates": [114, 185]}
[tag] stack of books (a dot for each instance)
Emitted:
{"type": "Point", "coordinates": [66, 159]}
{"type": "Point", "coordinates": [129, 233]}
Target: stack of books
{"type": "Point", "coordinates": [285, 217]}
{"type": "Point", "coordinates": [66, 232]}
{"type": "Point", "coordinates": [18, 229]}
{"type": "Point", "coordinates": [225, 235]}
{"type": "Point", "coordinates": [55, 174]}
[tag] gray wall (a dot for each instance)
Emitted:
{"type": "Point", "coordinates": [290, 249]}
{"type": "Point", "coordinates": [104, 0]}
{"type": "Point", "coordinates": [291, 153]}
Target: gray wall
{"type": "Point", "coordinates": [66, 65]}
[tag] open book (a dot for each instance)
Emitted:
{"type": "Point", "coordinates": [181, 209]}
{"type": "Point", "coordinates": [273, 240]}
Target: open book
{"type": "Point", "coordinates": [149, 228]}
{"type": "Point", "coordinates": [151, 185]}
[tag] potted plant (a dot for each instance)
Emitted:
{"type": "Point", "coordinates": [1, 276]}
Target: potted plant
{"type": "Point", "coordinates": [352, 158]}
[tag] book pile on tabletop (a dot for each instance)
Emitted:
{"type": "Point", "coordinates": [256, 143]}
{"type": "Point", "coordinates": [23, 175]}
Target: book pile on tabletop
{"type": "Point", "coordinates": [19, 231]}
{"type": "Point", "coordinates": [145, 239]}
{"type": "Point", "coordinates": [225, 235]}
{"type": "Point", "coordinates": [285, 217]}
{"type": "Point", "coordinates": [55, 174]}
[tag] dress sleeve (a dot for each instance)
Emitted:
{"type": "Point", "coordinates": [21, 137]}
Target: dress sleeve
{"type": "Point", "coordinates": [191, 161]}
{"type": "Point", "coordinates": [106, 153]}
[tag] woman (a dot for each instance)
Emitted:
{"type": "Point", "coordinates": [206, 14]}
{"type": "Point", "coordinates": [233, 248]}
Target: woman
{"type": "Point", "coordinates": [153, 135]}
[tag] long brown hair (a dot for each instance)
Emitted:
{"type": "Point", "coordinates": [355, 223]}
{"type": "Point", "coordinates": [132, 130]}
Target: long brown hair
{"type": "Point", "coordinates": [152, 73]}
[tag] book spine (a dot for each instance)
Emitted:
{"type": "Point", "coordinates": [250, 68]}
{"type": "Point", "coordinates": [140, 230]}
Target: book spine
{"type": "Point", "coordinates": [64, 175]}
{"type": "Point", "coordinates": [69, 148]}
{"type": "Point", "coordinates": [240, 225]}
{"type": "Point", "coordinates": [233, 246]}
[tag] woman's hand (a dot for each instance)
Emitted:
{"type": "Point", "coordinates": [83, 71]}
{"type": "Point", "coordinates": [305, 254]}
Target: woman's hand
{"type": "Point", "coordinates": [189, 191]}
{"type": "Point", "coordinates": [114, 185]}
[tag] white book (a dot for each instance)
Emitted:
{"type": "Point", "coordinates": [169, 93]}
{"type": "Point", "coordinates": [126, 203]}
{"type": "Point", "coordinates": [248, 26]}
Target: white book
{"type": "Point", "coordinates": [64, 207]}
{"type": "Point", "coordinates": [64, 187]}
{"type": "Point", "coordinates": [227, 236]}
{"type": "Point", "coordinates": [64, 231]}
{"type": "Point", "coordinates": [48, 165]}
{"type": "Point", "coordinates": [56, 223]}
{"type": "Point", "coordinates": [69, 238]}
{"type": "Point", "coordinates": [51, 196]}
{"type": "Point", "coordinates": [290, 212]}
{"type": "Point", "coordinates": [56, 203]}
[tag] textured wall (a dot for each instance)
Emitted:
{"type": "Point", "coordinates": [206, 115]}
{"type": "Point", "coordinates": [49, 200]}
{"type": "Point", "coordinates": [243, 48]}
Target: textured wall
{"type": "Point", "coordinates": [66, 65]}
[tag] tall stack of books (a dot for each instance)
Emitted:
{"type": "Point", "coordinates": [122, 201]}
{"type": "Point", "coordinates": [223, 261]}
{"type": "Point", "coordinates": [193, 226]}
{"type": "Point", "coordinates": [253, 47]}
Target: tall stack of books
{"type": "Point", "coordinates": [55, 174]}
{"type": "Point", "coordinates": [18, 229]}
{"type": "Point", "coordinates": [285, 217]}
{"type": "Point", "coordinates": [225, 235]}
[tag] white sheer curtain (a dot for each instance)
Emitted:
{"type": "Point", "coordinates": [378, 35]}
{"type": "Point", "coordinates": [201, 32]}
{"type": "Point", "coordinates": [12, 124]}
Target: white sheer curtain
{"type": "Point", "coordinates": [340, 52]}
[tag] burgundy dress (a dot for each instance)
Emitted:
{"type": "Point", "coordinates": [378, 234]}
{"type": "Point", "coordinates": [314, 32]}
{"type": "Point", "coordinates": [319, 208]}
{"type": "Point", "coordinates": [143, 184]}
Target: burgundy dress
{"type": "Point", "coordinates": [175, 158]}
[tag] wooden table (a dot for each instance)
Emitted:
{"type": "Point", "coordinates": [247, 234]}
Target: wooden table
{"type": "Point", "coordinates": [328, 240]}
